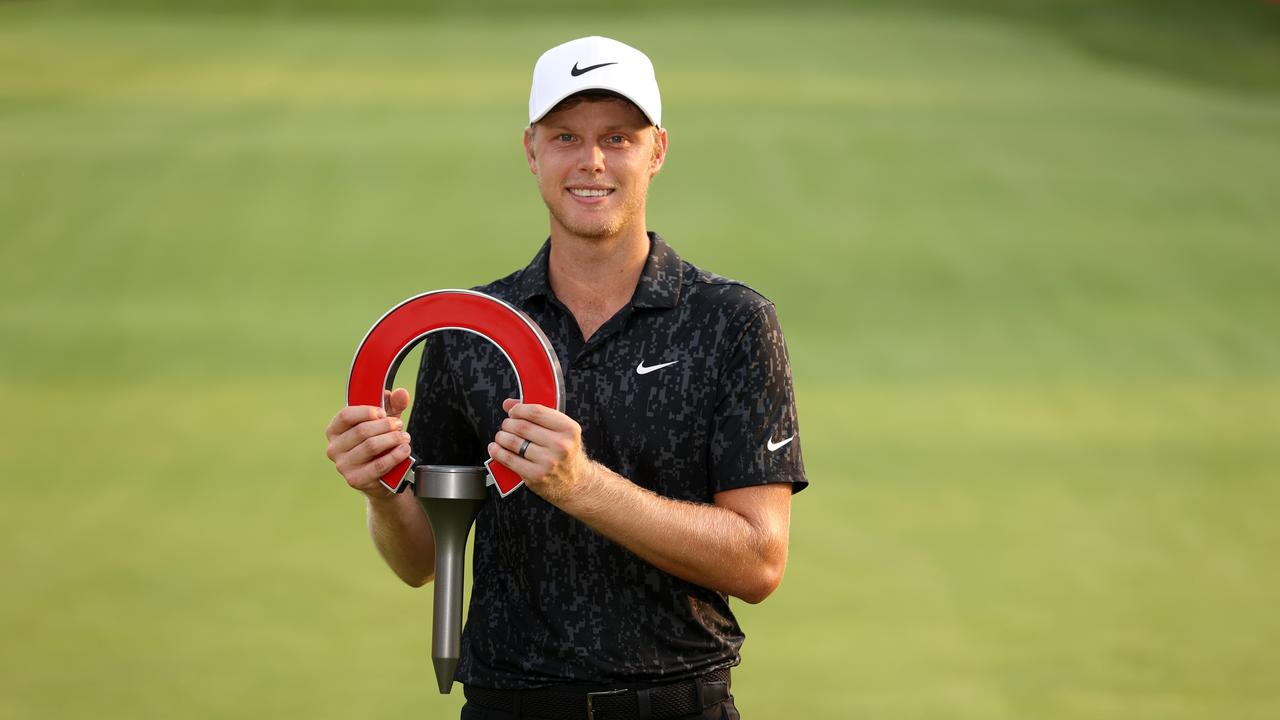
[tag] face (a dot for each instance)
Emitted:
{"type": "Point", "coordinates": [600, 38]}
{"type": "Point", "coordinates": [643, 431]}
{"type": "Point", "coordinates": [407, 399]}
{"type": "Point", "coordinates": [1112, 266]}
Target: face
{"type": "Point", "coordinates": [594, 161]}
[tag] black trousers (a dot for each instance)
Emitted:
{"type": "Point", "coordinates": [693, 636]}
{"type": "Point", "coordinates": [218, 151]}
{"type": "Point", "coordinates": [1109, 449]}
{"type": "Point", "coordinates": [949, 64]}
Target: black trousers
{"type": "Point", "coordinates": [724, 710]}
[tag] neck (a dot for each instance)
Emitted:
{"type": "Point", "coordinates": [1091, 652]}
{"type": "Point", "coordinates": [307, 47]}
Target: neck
{"type": "Point", "coordinates": [596, 277]}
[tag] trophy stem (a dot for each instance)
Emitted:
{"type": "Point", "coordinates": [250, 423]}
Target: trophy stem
{"type": "Point", "coordinates": [446, 625]}
{"type": "Point", "coordinates": [452, 497]}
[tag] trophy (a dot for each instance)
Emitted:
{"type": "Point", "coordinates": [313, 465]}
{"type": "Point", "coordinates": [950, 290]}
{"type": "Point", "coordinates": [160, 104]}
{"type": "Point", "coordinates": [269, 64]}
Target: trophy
{"type": "Point", "coordinates": [453, 496]}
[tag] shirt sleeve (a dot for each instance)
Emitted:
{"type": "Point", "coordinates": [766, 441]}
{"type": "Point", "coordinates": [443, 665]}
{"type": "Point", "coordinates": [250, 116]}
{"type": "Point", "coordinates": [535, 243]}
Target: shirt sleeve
{"type": "Point", "coordinates": [755, 438]}
{"type": "Point", "coordinates": [438, 426]}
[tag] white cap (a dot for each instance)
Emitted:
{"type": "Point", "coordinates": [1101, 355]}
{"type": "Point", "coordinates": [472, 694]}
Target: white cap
{"type": "Point", "coordinates": [594, 63]}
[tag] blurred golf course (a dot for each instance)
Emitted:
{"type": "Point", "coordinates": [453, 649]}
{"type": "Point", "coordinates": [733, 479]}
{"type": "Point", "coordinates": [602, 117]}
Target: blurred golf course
{"type": "Point", "coordinates": [1026, 255]}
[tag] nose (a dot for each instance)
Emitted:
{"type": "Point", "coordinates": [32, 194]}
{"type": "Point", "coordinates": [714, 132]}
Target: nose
{"type": "Point", "coordinates": [592, 158]}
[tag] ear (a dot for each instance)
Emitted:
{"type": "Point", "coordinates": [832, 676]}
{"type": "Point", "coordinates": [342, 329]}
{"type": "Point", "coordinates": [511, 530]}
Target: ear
{"type": "Point", "coordinates": [659, 152]}
{"type": "Point", "coordinates": [528, 150]}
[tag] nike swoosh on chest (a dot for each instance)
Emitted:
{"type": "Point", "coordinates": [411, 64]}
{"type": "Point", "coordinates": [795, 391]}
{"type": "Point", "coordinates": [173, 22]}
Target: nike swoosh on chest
{"type": "Point", "coordinates": [642, 369]}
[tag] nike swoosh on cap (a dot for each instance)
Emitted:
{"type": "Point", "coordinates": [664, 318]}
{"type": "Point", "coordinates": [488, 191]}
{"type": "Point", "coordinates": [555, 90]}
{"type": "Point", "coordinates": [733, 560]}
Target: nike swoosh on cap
{"type": "Point", "coordinates": [576, 71]}
{"type": "Point", "coordinates": [642, 370]}
{"type": "Point", "coordinates": [775, 446]}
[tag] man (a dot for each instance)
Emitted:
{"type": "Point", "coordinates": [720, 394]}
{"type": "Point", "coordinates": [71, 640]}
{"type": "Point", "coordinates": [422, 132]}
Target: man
{"type": "Point", "coordinates": [601, 588]}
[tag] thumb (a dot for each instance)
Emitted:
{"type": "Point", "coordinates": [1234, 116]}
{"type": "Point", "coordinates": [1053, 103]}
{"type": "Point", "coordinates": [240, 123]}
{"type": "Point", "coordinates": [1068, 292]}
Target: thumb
{"type": "Point", "coordinates": [395, 401]}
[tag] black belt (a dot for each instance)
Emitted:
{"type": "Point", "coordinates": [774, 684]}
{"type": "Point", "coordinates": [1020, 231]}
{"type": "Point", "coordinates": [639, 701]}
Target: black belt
{"type": "Point", "coordinates": [575, 703]}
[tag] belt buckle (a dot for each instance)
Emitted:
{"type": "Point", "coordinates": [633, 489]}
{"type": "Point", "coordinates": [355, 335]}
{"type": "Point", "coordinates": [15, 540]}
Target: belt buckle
{"type": "Point", "coordinates": [604, 693]}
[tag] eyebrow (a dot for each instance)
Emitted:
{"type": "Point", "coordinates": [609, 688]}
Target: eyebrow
{"type": "Point", "coordinates": [607, 129]}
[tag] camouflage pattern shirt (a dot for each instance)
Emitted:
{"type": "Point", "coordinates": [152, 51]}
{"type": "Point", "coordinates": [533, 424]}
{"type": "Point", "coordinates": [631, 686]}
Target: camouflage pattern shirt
{"type": "Point", "coordinates": [686, 391]}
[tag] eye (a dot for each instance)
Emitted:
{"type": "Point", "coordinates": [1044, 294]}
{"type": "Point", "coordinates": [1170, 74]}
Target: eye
{"type": "Point", "coordinates": [566, 137]}
{"type": "Point", "coordinates": [616, 139]}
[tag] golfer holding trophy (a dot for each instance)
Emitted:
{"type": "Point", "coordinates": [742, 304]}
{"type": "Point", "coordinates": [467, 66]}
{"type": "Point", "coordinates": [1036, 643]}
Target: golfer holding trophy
{"type": "Point", "coordinates": [659, 488]}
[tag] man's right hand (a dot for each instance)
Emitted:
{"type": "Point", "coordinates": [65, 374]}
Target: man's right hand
{"type": "Point", "coordinates": [365, 442]}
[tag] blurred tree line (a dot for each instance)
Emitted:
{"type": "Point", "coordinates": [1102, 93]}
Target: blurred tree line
{"type": "Point", "coordinates": [1233, 44]}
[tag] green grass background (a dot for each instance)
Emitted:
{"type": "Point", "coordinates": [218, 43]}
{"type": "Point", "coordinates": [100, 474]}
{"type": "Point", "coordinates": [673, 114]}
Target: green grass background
{"type": "Point", "coordinates": [1026, 256]}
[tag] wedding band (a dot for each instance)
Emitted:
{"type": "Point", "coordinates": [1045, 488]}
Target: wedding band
{"type": "Point", "coordinates": [523, 447]}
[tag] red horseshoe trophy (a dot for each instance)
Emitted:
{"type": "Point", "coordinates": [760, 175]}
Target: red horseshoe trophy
{"type": "Point", "coordinates": [451, 495]}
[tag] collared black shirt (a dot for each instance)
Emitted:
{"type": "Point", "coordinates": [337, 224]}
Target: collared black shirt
{"type": "Point", "coordinates": [686, 391]}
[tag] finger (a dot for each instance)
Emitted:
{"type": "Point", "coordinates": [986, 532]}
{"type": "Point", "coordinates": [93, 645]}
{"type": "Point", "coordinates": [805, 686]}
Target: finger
{"type": "Point", "coordinates": [526, 469]}
{"type": "Point", "coordinates": [367, 477]}
{"type": "Point", "coordinates": [352, 438]}
{"type": "Point", "coordinates": [543, 415]}
{"type": "Point", "coordinates": [373, 447]}
{"type": "Point", "coordinates": [535, 454]}
{"type": "Point", "coordinates": [509, 403]}
{"type": "Point", "coordinates": [365, 430]}
{"type": "Point", "coordinates": [354, 414]}
{"type": "Point", "coordinates": [350, 416]}
{"type": "Point", "coordinates": [398, 400]}
{"type": "Point", "coordinates": [525, 429]}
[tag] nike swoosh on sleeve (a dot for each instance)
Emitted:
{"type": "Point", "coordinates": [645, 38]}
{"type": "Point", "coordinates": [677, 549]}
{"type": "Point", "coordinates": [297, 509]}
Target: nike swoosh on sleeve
{"type": "Point", "coordinates": [775, 446]}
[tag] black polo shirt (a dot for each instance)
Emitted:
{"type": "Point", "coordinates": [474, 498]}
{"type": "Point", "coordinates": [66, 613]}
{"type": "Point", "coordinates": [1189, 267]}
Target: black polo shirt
{"type": "Point", "coordinates": [686, 391]}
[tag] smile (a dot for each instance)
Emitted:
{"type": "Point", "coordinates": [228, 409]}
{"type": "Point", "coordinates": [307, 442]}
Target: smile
{"type": "Point", "coordinates": [590, 192]}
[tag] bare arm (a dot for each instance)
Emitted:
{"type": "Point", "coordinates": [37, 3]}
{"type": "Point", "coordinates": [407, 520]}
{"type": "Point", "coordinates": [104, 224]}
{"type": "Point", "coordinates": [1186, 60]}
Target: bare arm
{"type": "Point", "coordinates": [738, 545]}
{"type": "Point", "coordinates": [364, 443]}
{"type": "Point", "coordinates": [402, 535]}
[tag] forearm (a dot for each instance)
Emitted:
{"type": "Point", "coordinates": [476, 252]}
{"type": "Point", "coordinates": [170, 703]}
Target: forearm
{"type": "Point", "coordinates": [402, 534]}
{"type": "Point", "coordinates": [738, 545]}
{"type": "Point", "coordinates": [712, 545]}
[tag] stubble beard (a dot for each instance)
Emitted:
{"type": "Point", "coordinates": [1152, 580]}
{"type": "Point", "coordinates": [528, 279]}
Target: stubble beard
{"type": "Point", "coordinates": [599, 228]}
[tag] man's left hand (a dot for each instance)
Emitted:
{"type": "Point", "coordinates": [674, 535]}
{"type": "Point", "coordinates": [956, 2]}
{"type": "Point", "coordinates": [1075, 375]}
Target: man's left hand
{"type": "Point", "coordinates": [554, 464]}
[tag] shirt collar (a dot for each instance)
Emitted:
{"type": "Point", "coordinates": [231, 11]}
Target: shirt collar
{"type": "Point", "coordinates": [534, 280]}
{"type": "Point", "coordinates": [659, 285]}
{"type": "Point", "coordinates": [660, 281]}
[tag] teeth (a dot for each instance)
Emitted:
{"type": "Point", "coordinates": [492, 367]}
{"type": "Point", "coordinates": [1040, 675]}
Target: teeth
{"type": "Point", "coordinates": [584, 192]}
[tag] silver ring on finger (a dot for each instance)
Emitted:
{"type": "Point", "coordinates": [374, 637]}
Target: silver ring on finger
{"type": "Point", "coordinates": [524, 447]}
